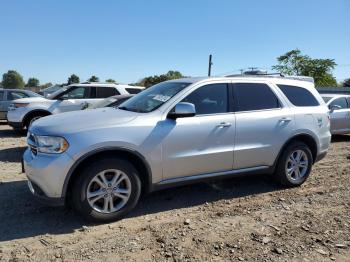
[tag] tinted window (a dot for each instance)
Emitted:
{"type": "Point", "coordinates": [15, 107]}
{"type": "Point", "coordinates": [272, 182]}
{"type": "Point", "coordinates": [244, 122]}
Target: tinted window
{"type": "Point", "coordinates": [1, 95]}
{"type": "Point", "coordinates": [209, 99]}
{"type": "Point", "coordinates": [13, 95]}
{"type": "Point", "coordinates": [254, 96]}
{"type": "Point", "coordinates": [298, 96]}
{"type": "Point", "coordinates": [339, 102]}
{"type": "Point", "coordinates": [133, 90]}
{"type": "Point", "coordinates": [80, 92]}
{"type": "Point", "coordinates": [103, 92]}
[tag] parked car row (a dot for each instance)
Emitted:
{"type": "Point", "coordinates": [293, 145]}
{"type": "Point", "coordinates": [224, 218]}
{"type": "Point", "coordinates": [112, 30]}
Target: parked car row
{"type": "Point", "coordinates": [23, 112]}
{"type": "Point", "coordinates": [7, 96]}
{"type": "Point", "coordinates": [339, 106]}
{"type": "Point", "coordinates": [177, 132]}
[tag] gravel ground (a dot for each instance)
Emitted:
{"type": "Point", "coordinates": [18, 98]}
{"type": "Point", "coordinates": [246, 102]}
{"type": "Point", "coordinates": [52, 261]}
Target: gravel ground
{"type": "Point", "coordinates": [242, 219]}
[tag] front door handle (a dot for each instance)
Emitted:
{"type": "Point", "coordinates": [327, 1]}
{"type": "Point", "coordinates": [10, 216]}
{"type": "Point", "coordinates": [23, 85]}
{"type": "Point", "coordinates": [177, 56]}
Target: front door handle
{"type": "Point", "coordinates": [285, 119]}
{"type": "Point", "coordinates": [224, 124]}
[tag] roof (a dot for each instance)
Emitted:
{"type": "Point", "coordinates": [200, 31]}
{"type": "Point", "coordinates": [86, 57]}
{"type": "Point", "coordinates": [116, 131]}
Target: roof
{"type": "Point", "coordinates": [272, 78]}
{"type": "Point", "coordinates": [333, 95]}
{"type": "Point", "coordinates": [97, 84]}
{"type": "Point", "coordinates": [333, 90]}
{"type": "Point", "coordinates": [17, 89]}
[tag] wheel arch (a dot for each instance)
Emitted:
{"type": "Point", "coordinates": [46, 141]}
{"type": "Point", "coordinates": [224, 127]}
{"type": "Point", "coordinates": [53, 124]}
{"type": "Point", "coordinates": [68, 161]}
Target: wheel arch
{"type": "Point", "coordinates": [130, 155]}
{"type": "Point", "coordinates": [34, 112]}
{"type": "Point", "coordinates": [306, 138]}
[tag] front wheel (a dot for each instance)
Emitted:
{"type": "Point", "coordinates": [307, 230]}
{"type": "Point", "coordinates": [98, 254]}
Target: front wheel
{"type": "Point", "coordinates": [294, 165]}
{"type": "Point", "coordinates": [107, 190]}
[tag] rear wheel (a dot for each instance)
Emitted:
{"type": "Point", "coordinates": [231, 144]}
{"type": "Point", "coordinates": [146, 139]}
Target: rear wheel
{"type": "Point", "coordinates": [294, 165]}
{"type": "Point", "coordinates": [107, 190]}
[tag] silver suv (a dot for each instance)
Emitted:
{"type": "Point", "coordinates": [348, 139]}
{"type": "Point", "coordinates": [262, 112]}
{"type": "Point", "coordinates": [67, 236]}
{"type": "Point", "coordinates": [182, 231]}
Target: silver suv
{"type": "Point", "coordinates": [23, 112]}
{"type": "Point", "coordinates": [177, 132]}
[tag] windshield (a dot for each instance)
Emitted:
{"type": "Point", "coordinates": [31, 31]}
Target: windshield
{"type": "Point", "coordinates": [326, 98]}
{"type": "Point", "coordinates": [54, 94]}
{"type": "Point", "coordinates": [104, 102]}
{"type": "Point", "coordinates": [153, 97]}
{"type": "Point", "coordinates": [32, 94]}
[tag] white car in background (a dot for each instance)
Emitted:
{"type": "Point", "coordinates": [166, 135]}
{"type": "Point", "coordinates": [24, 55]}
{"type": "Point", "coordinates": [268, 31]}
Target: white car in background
{"type": "Point", "coordinates": [25, 111]}
{"type": "Point", "coordinates": [339, 106]}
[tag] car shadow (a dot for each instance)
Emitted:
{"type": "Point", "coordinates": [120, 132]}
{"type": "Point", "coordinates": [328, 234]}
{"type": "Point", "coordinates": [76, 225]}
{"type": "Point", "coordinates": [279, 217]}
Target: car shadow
{"type": "Point", "coordinates": [22, 216]}
{"type": "Point", "coordinates": [12, 133]}
{"type": "Point", "coordinates": [340, 138]}
{"type": "Point", "coordinates": [13, 154]}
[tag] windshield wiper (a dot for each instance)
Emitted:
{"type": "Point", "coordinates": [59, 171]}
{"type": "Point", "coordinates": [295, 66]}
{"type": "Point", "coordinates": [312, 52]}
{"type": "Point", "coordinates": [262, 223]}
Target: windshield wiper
{"type": "Point", "coordinates": [123, 108]}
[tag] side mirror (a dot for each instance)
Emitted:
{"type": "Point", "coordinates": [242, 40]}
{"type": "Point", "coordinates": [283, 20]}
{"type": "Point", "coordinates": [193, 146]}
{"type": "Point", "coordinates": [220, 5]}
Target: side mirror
{"type": "Point", "coordinates": [334, 108]}
{"type": "Point", "coordinates": [182, 109]}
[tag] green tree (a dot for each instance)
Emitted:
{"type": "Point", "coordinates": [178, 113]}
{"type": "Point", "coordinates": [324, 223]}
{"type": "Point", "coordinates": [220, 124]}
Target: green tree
{"type": "Point", "coordinates": [110, 80]}
{"type": "Point", "coordinates": [46, 85]}
{"type": "Point", "coordinates": [94, 79]}
{"type": "Point", "coordinates": [294, 63]}
{"type": "Point", "coordinates": [346, 82]}
{"type": "Point", "coordinates": [152, 80]}
{"type": "Point", "coordinates": [73, 79]}
{"type": "Point", "coordinates": [12, 79]}
{"type": "Point", "coordinates": [32, 82]}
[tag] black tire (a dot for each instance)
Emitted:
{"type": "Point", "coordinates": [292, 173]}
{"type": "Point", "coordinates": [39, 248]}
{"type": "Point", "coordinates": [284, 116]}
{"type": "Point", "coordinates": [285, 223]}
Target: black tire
{"type": "Point", "coordinates": [281, 168]}
{"type": "Point", "coordinates": [80, 187]}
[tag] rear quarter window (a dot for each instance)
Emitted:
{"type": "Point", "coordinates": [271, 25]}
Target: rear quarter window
{"type": "Point", "coordinates": [299, 96]}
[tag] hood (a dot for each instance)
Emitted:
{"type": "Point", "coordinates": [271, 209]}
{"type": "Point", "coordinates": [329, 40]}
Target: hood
{"type": "Point", "coordinates": [76, 121]}
{"type": "Point", "coordinates": [31, 99]}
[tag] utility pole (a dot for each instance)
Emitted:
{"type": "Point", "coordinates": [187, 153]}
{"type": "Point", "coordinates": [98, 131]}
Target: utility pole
{"type": "Point", "coordinates": [210, 64]}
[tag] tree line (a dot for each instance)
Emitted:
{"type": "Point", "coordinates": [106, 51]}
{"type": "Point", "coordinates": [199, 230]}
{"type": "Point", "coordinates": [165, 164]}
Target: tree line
{"type": "Point", "coordinates": [290, 63]}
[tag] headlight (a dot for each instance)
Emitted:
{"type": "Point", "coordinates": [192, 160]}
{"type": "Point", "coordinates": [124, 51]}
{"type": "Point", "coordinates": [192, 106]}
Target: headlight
{"type": "Point", "coordinates": [51, 144]}
{"type": "Point", "coordinates": [18, 105]}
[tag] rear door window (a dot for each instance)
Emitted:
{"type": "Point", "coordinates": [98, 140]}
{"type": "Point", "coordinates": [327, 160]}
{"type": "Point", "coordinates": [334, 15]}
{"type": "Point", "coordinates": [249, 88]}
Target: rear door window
{"type": "Point", "coordinates": [104, 92]}
{"type": "Point", "coordinates": [2, 95]}
{"type": "Point", "coordinates": [299, 96]}
{"type": "Point", "coordinates": [254, 96]}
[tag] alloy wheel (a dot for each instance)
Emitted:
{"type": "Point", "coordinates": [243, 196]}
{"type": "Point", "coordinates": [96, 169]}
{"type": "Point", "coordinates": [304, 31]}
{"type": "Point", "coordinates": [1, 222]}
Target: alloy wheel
{"type": "Point", "coordinates": [109, 191]}
{"type": "Point", "coordinates": [297, 165]}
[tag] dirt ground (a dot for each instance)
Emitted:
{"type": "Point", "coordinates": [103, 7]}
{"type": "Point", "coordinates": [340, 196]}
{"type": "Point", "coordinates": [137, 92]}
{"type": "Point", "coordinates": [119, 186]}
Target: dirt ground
{"type": "Point", "coordinates": [241, 219]}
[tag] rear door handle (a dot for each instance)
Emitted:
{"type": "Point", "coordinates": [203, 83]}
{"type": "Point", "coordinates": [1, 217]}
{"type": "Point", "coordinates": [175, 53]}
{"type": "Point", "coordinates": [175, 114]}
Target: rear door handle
{"type": "Point", "coordinates": [224, 124]}
{"type": "Point", "coordinates": [285, 119]}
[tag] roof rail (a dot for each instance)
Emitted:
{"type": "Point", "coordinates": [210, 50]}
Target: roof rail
{"type": "Point", "coordinates": [274, 75]}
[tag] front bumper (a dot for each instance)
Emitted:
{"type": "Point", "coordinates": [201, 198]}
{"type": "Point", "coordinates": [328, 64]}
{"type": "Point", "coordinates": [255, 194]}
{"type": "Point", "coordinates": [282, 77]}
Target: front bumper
{"type": "Point", "coordinates": [40, 195]}
{"type": "Point", "coordinates": [47, 173]}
